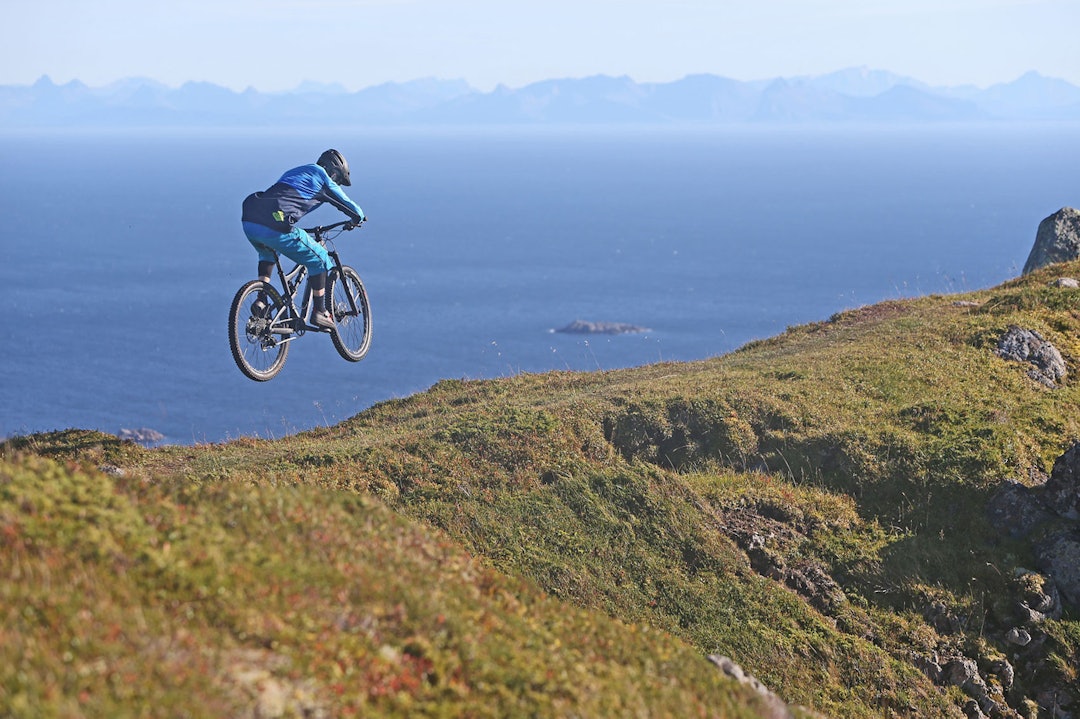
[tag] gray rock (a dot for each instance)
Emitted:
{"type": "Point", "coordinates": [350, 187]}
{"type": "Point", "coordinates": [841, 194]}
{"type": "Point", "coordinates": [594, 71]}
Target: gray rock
{"type": "Point", "coordinates": [1039, 593]}
{"type": "Point", "coordinates": [1061, 493]}
{"type": "Point", "coordinates": [1019, 637]}
{"type": "Point", "coordinates": [1004, 671]}
{"type": "Point", "coordinates": [1067, 283]}
{"type": "Point", "coordinates": [929, 667]}
{"type": "Point", "coordinates": [775, 706]}
{"type": "Point", "coordinates": [1058, 555]}
{"type": "Point", "coordinates": [964, 673]}
{"type": "Point", "coordinates": [972, 710]}
{"type": "Point", "coordinates": [1054, 510]}
{"type": "Point", "coordinates": [1057, 240]}
{"type": "Point", "coordinates": [1024, 345]}
{"type": "Point", "coordinates": [942, 620]}
{"type": "Point", "coordinates": [1017, 509]}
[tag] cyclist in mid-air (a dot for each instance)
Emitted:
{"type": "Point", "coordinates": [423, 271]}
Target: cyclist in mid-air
{"type": "Point", "coordinates": [270, 217]}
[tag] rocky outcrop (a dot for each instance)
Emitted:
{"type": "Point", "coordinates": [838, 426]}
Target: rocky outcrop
{"type": "Point", "coordinates": [1017, 510]}
{"type": "Point", "coordinates": [582, 327]}
{"type": "Point", "coordinates": [964, 673]}
{"type": "Point", "coordinates": [1058, 554]}
{"type": "Point", "coordinates": [1038, 599]}
{"type": "Point", "coordinates": [1048, 514]}
{"type": "Point", "coordinates": [1062, 489]}
{"type": "Point", "coordinates": [1024, 345]}
{"type": "Point", "coordinates": [1057, 240]}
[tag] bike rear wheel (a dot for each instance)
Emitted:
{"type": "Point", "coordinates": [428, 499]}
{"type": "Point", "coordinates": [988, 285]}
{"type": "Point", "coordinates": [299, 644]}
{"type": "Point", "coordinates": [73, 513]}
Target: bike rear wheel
{"type": "Point", "coordinates": [348, 301]}
{"type": "Point", "coordinates": [256, 335]}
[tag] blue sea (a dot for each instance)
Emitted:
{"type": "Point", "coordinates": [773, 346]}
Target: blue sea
{"type": "Point", "coordinates": [122, 251]}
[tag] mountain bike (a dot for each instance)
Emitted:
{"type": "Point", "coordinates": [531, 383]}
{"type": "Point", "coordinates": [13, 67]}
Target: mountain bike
{"type": "Point", "coordinates": [263, 322]}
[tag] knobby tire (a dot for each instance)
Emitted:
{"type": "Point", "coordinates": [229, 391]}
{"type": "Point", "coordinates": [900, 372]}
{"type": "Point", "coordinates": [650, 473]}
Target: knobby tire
{"type": "Point", "coordinates": [352, 331]}
{"type": "Point", "coordinates": [259, 352]}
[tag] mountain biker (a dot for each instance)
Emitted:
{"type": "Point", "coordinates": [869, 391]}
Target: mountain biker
{"type": "Point", "coordinates": [270, 217]}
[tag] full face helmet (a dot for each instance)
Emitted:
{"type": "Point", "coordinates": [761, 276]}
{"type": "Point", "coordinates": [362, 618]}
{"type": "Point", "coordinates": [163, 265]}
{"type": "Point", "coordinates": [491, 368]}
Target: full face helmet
{"type": "Point", "coordinates": [335, 165]}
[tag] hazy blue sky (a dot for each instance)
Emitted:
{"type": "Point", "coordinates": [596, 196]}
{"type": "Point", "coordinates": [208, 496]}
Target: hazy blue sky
{"type": "Point", "coordinates": [276, 44]}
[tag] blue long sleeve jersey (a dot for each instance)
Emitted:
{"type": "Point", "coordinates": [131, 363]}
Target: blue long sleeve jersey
{"type": "Point", "coordinates": [298, 192]}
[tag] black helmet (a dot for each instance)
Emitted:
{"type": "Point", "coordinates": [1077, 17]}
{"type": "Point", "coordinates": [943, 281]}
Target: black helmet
{"type": "Point", "coordinates": [335, 165]}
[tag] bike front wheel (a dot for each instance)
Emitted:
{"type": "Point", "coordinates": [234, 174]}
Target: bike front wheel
{"type": "Point", "coordinates": [256, 336]}
{"type": "Point", "coordinates": [352, 314]}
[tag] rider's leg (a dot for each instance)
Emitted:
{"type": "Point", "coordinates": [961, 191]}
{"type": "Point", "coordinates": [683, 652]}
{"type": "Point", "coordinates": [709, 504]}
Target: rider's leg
{"type": "Point", "coordinates": [300, 247]}
{"type": "Point", "coordinates": [265, 269]}
{"type": "Point", "coordinates": [318, 263]}
{"type": "Point", "coordinates": [267, 259]}
{"type": "Point", "coordinates": [266, 242]}
{"type": "Point", "coordinates": [319, 316]}
{"type": "Point", "coordinates": [317, 283]}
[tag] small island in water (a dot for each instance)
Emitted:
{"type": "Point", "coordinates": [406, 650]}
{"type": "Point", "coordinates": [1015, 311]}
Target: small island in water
{"type": "Point", "coordinates": [582, 327]}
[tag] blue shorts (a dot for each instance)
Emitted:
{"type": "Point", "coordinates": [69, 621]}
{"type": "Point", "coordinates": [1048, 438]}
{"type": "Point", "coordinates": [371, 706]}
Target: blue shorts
{"type": "Point", "coordinates": [297, 245]}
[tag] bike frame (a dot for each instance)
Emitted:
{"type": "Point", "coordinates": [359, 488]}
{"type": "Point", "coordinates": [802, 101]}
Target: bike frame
{"type": "Point", "coordinates": [290, 283]}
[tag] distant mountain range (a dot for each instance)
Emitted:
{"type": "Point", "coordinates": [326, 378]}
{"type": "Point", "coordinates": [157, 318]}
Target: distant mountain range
{"type": "Point", "coordinates": [857, 95]}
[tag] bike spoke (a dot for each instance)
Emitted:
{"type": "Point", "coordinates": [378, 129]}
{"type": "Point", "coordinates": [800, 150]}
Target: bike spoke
{"type": "Point", "coordinates": [258, 352]}
{"type": "Point", "coordinates": [352, 315]}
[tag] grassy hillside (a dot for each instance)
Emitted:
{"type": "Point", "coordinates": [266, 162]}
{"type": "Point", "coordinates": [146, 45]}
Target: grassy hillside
{"type": "Point", "coordinates": [812, 506]}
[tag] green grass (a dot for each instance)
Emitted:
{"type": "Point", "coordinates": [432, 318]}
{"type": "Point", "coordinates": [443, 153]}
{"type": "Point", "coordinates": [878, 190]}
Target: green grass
{"type": "Point", "coordinates": [172, 598]}
{"type": "Point", "coordinates": [564, 543]}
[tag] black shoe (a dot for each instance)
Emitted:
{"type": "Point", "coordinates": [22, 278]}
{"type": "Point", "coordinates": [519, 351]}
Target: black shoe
{"type": "Point", "coordinates": [322, 318]}
{"type": "Point", "coordinates": [258, 309]}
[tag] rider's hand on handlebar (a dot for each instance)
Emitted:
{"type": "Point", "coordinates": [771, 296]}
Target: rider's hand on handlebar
{"type": "Point", "coordinates": [353, 224]}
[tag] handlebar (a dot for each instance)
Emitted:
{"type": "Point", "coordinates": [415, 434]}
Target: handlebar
{"type": "Point", "coordinates": [322, 229]}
